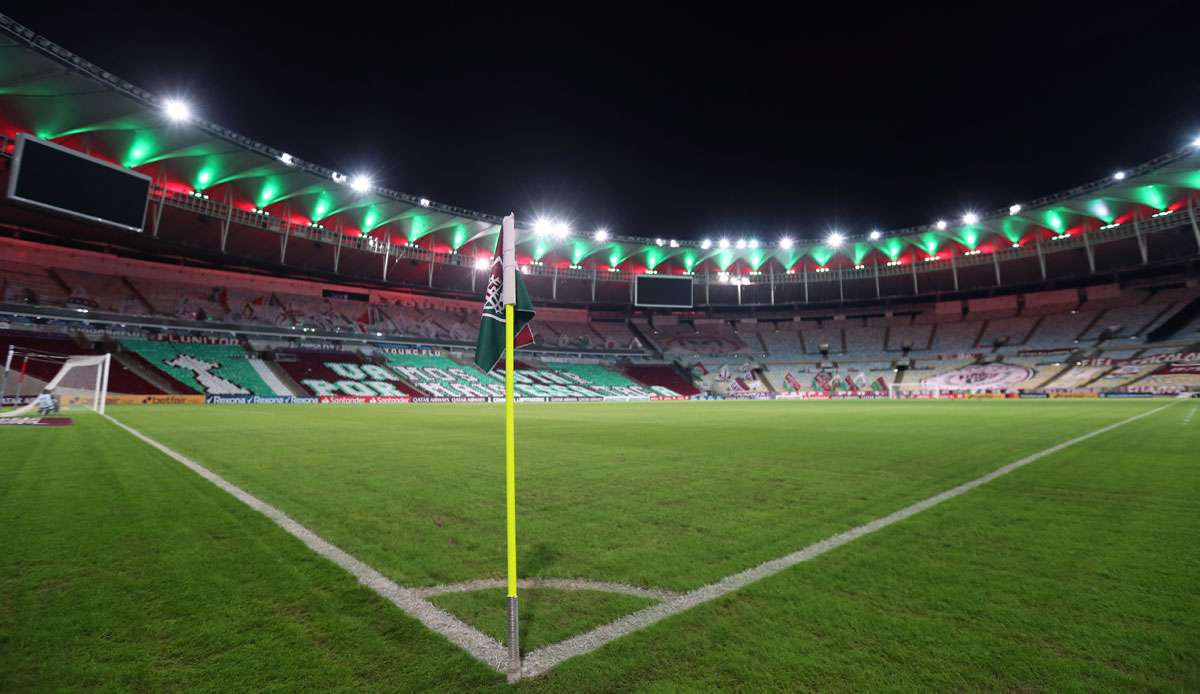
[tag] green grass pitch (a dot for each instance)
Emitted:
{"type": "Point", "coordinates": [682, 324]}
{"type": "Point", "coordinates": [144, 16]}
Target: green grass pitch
{"type": "Point", "coordinates": [123, 570]}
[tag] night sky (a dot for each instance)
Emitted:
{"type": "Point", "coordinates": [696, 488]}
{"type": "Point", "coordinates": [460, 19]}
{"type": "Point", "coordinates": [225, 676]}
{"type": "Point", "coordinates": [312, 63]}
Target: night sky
{"type": "Point", "coordinates": [681, 124]}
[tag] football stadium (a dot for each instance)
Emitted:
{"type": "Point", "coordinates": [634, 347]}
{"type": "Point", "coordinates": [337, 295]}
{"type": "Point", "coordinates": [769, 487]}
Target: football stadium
{"type": "Point", "coordinates": [268, 425]}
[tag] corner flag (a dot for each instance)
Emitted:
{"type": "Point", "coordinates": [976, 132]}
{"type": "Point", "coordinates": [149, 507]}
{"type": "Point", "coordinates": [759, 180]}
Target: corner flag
{"type": "Point", "coordinates": [489, 350]}
{"type": "Point", "coordinates": [504, 327]}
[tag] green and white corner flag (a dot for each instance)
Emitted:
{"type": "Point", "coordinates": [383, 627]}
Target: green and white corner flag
{"type": "Point", "coordinates": [489, 350]}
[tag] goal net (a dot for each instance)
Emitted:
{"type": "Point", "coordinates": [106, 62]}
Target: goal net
{"type": "Point", "coordinates": [76, 381]}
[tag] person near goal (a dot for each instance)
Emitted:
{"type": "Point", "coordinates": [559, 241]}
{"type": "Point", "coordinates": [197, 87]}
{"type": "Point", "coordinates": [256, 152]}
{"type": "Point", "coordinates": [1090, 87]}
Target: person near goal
{"type": "Point", "coordinates": [46, 402]}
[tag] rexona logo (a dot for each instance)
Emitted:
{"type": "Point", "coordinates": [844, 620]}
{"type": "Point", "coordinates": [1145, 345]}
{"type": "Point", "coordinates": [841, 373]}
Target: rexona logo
{"type": "Point", "coordinates": [202, 371]}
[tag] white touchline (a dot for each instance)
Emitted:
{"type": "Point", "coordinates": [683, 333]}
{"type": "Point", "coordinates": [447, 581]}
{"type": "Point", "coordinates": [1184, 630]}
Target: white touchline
{"type": "Point", "coordinates": [489, 651]}
{"type": "Point", "coordinates": [476, 643]}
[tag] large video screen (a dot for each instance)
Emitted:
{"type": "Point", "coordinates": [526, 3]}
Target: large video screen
{"type": "Point", "coordinates": [662, 291]}
{"type": "Point", "coordinates": [53, 177]}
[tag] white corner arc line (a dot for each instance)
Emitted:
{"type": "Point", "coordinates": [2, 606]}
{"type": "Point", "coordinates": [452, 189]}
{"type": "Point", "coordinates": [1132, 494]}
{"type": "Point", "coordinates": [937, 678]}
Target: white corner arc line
{"type": "Point", "coordinates": [659, 594]}
{"type": "Point", "coordinates": [477, 644]}
{"type": "Point", "coordinates": [543, 659]}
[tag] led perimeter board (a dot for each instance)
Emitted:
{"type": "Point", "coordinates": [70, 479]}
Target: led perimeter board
{"type": "Point", "coordinates": [56, 178]}
{"type": "Point", "coordinates": [662, 291]}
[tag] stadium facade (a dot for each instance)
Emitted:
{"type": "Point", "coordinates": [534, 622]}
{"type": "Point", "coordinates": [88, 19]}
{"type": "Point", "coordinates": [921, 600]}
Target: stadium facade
{"type": "Point", "coordinates": [259, 274]}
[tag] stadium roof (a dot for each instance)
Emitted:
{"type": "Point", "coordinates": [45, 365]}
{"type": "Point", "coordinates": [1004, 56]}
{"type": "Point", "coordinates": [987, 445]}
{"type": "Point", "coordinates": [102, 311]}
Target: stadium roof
{"type": "Point", "coordinates": [52, 93]}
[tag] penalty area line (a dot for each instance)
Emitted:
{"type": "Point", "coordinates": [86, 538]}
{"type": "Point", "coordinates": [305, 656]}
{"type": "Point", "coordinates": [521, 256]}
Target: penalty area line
{"type": "Point", "coordinates": [544, 659]}
{"type": "Point", "coordinates": [477, 644]}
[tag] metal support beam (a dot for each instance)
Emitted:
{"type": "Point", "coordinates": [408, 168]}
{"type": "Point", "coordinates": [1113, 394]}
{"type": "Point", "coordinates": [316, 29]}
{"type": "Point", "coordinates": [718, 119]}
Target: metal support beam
{"type": "Point", "coordinates": [228, 218]}
{"type": "Point", "coordinates": [337, 251]}
{"type": "Point", "coordinates": [707, 282]}
{"type": "Point", "coordinates": [387, 252]}
{"type": "Point", "coordinates": [805, 274]}
{"type": "Point", "coordinates": [996, 264]}
{"type": "Point", "coordinates": [772, 278]}
{"type": "Point", "coordinates": [594, 285]}
{"type": "Point", "coordinates": [1037, 246]}
{"type": "Point", "coordinates": [877, 294]}
{"type": "Point", "coordinates": [954, 268]}
{"type": "Point", "coordinates": [1192, 216]}
{"type": "Point", "coordinates": [554, 285]}
{"type": "Point", "coordinates": [162, 202]}
{"type": "Point", "coordinates": [1091, 254]}
{"type": "Point", "coordinates": [1137, 229]}
{"type": "Point", "coordinates": [916, 289]}
{"type": "Point", "coordinates": [431, 264]}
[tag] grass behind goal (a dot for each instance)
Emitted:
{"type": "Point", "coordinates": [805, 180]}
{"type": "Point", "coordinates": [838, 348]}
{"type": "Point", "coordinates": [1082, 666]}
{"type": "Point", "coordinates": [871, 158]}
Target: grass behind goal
{"type": "Point", "coordinates": [670, 495]}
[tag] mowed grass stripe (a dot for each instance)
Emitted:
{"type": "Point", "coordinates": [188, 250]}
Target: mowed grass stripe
{"type": "Point", "coordinates": [670, 495]}
{"type": "Point", "coordinates": [1075, 573]}
{"type": "Point", "coordinates": [124, 571]}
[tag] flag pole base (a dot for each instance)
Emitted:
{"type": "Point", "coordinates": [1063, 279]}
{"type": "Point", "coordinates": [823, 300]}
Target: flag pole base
{"type": "Point", "coordinates": [514, 642]}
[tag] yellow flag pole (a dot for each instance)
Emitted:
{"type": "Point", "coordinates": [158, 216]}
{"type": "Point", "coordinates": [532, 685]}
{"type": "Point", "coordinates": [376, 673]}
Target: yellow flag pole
{"type": "Point", "coordinates": [508, 234]}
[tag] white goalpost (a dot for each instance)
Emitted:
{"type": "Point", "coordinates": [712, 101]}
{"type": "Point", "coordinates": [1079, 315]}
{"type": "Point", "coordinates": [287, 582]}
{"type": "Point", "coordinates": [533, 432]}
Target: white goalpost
{"type": "Point", "coordinates": [80, 381]}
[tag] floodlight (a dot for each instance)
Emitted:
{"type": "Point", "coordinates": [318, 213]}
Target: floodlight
{"type": "Point", "coordinates": [659, 242]}
{"type": "Point", "coordinates": [674, 243]}
{"type": "Point", "coordinates": [941, 225]}
{"type": "Point", "coordinates": [561, 230]}
{"type": "Point", "coordinates": [753, 243]}
{"type": "Point", "coordinates": [1014, 209]}
{"type": "Point", "coordinates": [970, 218]}
{"type": "Point", "coordinates": [424, 202]}
{"type": "Point", "coordinates": [835, 239]}
{"type": "Point", "coordinates": [875, 235]}
{"type": "Point", "coordinates": [1119, 176]}
{"type": "Point", "coordinates": [601, 235]}
{"type": "Point", "coordinates": [785, 243]}
{"type": "Point", "coordinates": [706, 244]}
{"type": "Point", "coordinates": [741, 243]}
{"type": "Point", "coordinates": [541, 227]}
{"type": "Point", "coordinates": [177, 110]}
{"type": "Point", "coordinates": [287, 159]}
{"type": "Point", "coordinates": [723, 243]}
{"type": "Point", "coordinates": [361, 183]}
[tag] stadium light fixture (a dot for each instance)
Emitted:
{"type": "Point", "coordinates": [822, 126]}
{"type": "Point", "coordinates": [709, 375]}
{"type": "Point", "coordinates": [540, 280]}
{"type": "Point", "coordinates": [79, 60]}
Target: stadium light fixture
{"type": "Point", "coordinates": [659, 242]}
{"type": "Point", "coordinates": [875, 235]}
{"type": "Point", "coordinates": [361, 183]}
{"type": "Point", "coordinates": [753, 243]}
{"type": "Point", "coordinates": [1014, 209]}
{"type": "Point", "coordinates": [424, 202]}
{"type": "Point", "coordinates": [1119, 176]}
{"type": "Point", "coordinates": [723, 244]}
{"type": "Point", "coordinates": [741, 243]}
{"type": "Point", "coordinates": [601, 235]}
{"type": "Point", "coordinates": [541, 227]}
{"type": "Point", "coordinates": [941, 225]}
{"type": "Point", "coordinates": [785, 243]}
{"type": "Point", "coordinates": [287, 159]}
{"type": "Point", "coordinates": [706, 244]}
{"type": "Point", "coordinates": [970, 218]}
{"type": "Point", "coordinates": [673, 244]}
{"type": "Point", "coordinates": [1196, 142]}
{"type": "Point", "coordinates": [177, 110]}
{"type": "Point", "coordinates": [835, 239]}
{"type": "Point", "coordinates": [561, 230]}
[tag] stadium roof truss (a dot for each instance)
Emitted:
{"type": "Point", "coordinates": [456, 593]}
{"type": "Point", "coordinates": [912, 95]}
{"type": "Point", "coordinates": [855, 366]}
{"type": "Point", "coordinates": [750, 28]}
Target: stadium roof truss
{"type": "Point", "coordinates": [54, 94]}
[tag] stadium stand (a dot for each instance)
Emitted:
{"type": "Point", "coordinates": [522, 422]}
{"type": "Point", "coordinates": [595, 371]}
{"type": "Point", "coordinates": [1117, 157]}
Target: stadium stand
{"type": "Point", "coordinates": [662, 376]}
{"type": "Point", "coordinates": [120, 378]}
{"type": "Point", "coordinates": [211, 369]}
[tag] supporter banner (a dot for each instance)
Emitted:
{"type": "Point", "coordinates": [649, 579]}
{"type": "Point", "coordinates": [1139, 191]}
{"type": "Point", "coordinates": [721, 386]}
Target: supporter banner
{"type": "Point", "coordinates": [394, 348]}
{"type": "Point", "coordinates": [125, 399]}
{"type": "Point", "coordinates": [1033, 396]}
{"type": "Point", "coordinates": [1168, 358]}
{"type": "Point", "coordinates": [1179, 369]}
{"type": "Point", "coordinates": [260, 400]}
{"type": "Point", "coordinates": [669, 397]}
{"type": "Point", "coordinates": [193, 339]}
{"type": "Point", "coordinates": [1118, 394]}
{"type": "Point", "coordinates": [16, 400]}
{"type": "Point", "coordinates": [979, 377]}
{"type": "Point", "coordinates": [436, 399]}
{"type": "Point", "coordinates": [36, 421]}
{"type": "Point", "coordinates": [1073, 394]}
{"type": "Point", "coordinates": [364, 399]}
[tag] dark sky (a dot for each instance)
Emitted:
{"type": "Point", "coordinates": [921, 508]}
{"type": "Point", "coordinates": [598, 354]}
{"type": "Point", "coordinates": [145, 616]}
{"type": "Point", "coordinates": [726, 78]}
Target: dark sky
{"type": "Point", "coordinates": [686, 123]}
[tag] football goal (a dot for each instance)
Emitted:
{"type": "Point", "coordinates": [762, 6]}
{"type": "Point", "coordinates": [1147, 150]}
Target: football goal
{"type": "Point", "coordinates": [75, 380]}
